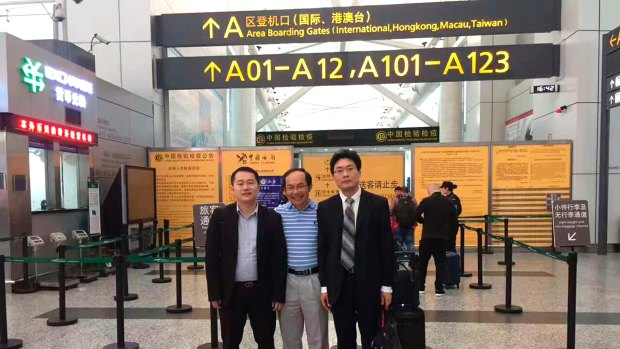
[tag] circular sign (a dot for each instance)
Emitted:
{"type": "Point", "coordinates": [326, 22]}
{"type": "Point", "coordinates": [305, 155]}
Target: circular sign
{"type": "Point", "coordinates": [381, 136]}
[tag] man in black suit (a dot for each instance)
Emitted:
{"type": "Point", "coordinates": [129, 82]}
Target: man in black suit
{"type": "Point", "coordinates": [246, 263]}
{"type": "Point", "coordinates": [356, 256]}
{"type": "Point", "coordinates": [438, 216]}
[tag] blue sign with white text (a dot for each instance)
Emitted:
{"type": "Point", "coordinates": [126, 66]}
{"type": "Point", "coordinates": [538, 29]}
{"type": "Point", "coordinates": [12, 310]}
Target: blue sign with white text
{"type": "Point", "coordinates": [270, 191]}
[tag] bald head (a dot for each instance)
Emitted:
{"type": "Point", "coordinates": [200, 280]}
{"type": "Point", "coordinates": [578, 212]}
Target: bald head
{"type": "Point", "coordinates": [433, 188]}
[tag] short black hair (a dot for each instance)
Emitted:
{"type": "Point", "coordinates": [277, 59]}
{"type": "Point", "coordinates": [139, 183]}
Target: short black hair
{"type": "Point", "coordinates": [345, 154]}
{"type": "Point", "coordinates": [299, 169]}
{"type": "Point", "coordinates": [243, 169]}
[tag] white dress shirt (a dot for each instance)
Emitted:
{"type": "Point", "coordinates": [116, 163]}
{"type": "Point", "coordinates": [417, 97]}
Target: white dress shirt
{"type": "Point", "coordinates": [356, 205]}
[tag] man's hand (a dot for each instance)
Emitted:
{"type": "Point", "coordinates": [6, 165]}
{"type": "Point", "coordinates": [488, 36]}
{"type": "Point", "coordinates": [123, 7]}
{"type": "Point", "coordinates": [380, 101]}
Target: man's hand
{"type": "Point", "coordinates": [386, 300]}
{"type": "Point", "coordinates": [276, 306]}
{"type": "Point", "coordinates": [325, 301]}
{"type": "Point", "coordinates": [216, 304]}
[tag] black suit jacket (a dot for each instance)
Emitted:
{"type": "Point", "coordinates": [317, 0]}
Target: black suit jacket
{"type": "Point", "coordinates": [221, 253]}
{"type": "Point", "coordinates": [374, 253]}
{"type": "Point", "coordinates": [438, 216]}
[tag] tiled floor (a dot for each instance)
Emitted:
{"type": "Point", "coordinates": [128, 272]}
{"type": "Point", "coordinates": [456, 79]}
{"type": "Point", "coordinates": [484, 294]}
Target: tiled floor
{"type": "Point", "coordinates": [463, 318]}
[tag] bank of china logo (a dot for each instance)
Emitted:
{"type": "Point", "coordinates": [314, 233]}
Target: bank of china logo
{"type": "Point", "coordinates": [159, 157]}
{"type": "Point", "coordinates": [381, 136]}
{"type": "Point", "coordinates": [260, 139]}
{"type": "Point", "coordinates": [33, 76]}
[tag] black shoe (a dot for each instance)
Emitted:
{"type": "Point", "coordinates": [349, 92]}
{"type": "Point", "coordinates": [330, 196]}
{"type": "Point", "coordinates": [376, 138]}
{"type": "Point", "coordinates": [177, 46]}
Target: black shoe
{"type": "Point", "coordinates": [439, 293]}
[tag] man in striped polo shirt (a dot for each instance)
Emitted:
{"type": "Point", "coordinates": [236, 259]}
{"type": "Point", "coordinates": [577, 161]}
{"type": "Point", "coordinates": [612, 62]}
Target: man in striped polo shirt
{"type": "Point", "coordinates": [303, 289]}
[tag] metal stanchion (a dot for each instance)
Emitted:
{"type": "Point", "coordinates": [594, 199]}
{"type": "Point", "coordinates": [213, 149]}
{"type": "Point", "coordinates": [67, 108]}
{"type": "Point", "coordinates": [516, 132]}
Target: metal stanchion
{"type": "Point", "coordinates": [120, 309]}
{"type": "Point", "coordinates": [62, 319]}
{"type": "Point", "coordinates": [463, 272]}
{"type": "Point", "coordinates": [571, 315]}
{"type": "Point", "coordinates": [154, 237]}
{"type": "Point", "coordinates": [214, 342]}
{"type": "Point", "coordinates": [505, 237]}
{"type": "Point", "coordinates": [480, 285]}
{"type": "Point", "coordinates": [140, 248]}
{"type": "Point", "coordinates": [125, 252]}
{"type": "Point", "coordinates": [179, 307]}
{"type": "Point", "coordinates": [167, 236]}
{"type": "Point", "coordinates": [5, 341]}
{"type": "Point", "coordinates": [161, 279]}
{"type": "Point", "coordinates": [487, 229]}
{"type": "Point", "coordinates": [508, 308]}
{"type": "Point", "coordinates": [24, 286]}
{"type": "Point", "coordinates": [194, 266]}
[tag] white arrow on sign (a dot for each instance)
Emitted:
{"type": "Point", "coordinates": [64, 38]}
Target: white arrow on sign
{"type": "Point", "coordinates": [572, 237]}
{"type": "Point", "coordinates": [611, 100]}
{"type": "Point", "coordinates": [612, 83]}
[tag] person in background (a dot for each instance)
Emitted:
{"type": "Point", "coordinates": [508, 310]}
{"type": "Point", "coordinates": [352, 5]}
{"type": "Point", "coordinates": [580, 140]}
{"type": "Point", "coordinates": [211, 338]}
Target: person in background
{"type": "Point", "coordinates": [303, 289]}
{"type": "Point", "coordinates": [403, 214]}
{"type": "Point", "coordinates": [437, 215]}
{"type": "Point", "coordinates": [447, 190]}
{"type": "Point", "coordinates": [246, 263]}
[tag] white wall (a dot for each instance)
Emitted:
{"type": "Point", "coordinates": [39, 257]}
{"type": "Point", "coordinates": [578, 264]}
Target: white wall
{"type": "Point", "coordinates": [583, 24]}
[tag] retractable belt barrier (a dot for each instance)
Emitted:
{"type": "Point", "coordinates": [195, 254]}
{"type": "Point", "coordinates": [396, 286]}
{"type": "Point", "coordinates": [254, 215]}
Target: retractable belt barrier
{"type": "Point", "coordinates": [570, 259]}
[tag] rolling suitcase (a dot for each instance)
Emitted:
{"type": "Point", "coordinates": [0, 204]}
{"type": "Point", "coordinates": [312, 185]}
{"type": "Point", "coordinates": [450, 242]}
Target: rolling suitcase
{"type": "Point", "coordinates": [406, 303]}
{"type": "Point", "coordinates": [452, 274]}
{"type": "Point", "coordinates": [410, 327]}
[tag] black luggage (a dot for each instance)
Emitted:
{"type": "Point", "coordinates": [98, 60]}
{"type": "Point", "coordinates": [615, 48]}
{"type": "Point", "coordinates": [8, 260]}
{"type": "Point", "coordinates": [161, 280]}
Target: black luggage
{"type": "Point", "coordinates": [410, 326]}
{"type": "Point", "coordinates": [452, 274]}
{"type": "Point", "coordinates": [406, 303]}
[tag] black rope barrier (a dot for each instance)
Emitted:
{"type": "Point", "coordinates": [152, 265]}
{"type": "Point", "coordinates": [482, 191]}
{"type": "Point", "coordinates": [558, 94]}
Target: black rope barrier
{"type": "Point", "coordinates": [194, 266]}
{"type": "Point", "coordinates": [179, 307]}
{"type": "Point", "coordinates": [119, 260]}
{"type": "Point", "coordinates": [62, 319]}
{"type": "Point", "coordinates": [463, 272]}
{"type": "Point", "coordinates": [480, 285]}
{"type": "Point", "coordinates": [5, 341]}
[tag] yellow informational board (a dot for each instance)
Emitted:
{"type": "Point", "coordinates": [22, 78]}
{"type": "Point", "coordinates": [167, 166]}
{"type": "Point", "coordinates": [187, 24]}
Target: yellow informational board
{"type": "Point", "coordinates": [184, 178]}
{"type": "Point", "coordinates": [525, 177]}
{"type": "Point", "coordinates": [381, 172]}
{"type": "Point", "coordinates": [266, 161]}
{"type": "Point", "coordinates": [466, 166]}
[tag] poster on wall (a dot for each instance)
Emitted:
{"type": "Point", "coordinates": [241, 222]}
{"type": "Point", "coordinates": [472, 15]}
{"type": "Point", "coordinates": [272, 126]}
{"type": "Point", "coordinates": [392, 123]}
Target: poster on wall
{"type": "Point", "coordinates": [519, 128]}
{"type": "Point", "coordinates": [270, 191]}
{"type": "Point", "coordinates": [381, 172]}
{"type": "Point", "coordinates": [202, 216]}
{"type": "Point", "coordinates": [184, 178]}
{"type": "Point", "coordinates": [523, 177]}
{"type": "Point", "coordinates": [94, 209]}
{"type": "Point", "coordinates": [467, 166]}
{"type": "Point", "coordinates": [196, 119]}
{"type": "Point", "coordinates": [268, 162]}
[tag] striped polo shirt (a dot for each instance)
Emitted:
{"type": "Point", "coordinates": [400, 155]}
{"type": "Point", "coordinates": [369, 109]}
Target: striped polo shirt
{"type": "Point", "coordinates": [301, 232]}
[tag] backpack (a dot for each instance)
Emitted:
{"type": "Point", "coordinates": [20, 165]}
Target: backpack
{"type": "Point", "coordinates": [405, 212]}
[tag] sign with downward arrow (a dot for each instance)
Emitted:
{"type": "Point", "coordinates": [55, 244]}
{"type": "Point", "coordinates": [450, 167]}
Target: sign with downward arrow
{"type": "Point", "coordinates": [571, 223]}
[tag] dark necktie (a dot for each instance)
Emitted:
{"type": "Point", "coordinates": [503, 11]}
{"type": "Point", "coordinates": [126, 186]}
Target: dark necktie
{"type": "Point", "coordinates": [347, 254]}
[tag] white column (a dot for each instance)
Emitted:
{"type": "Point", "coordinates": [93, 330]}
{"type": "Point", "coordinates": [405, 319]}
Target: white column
{"type": "Point", "coordinates": [451, 108]}
{"type": "Point", "coordinates": [242, 117]}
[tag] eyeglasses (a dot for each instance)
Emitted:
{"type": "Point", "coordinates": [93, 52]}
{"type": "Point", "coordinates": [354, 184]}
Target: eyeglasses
{"type": "Point", "coordinates": [341, 171]}
{"type": "Point", "coordinates": [300, 187]}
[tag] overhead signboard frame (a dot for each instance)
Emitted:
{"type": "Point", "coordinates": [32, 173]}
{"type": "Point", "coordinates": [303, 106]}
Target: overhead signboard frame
{"type": "Point", "coordinates": [506, 62]}
{"type": "Point", "coordinates": [419, 20]}
{"type": "Point", "coordinates": [359, 137]}
{"type": "Point", "coordinates": [609, 98]}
